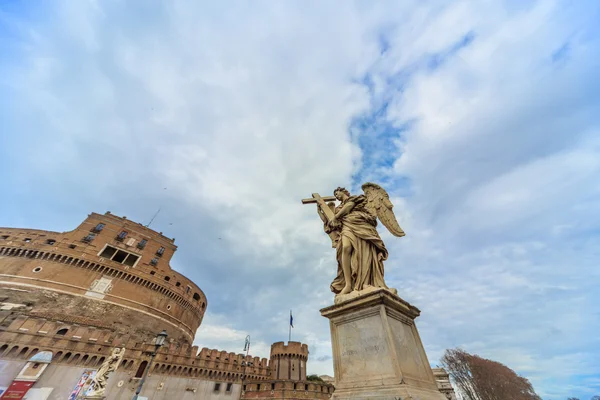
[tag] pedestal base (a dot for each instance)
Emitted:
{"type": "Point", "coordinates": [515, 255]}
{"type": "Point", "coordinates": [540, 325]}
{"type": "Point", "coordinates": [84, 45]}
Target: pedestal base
{"type": "Point", "coordinates": [377, 351]}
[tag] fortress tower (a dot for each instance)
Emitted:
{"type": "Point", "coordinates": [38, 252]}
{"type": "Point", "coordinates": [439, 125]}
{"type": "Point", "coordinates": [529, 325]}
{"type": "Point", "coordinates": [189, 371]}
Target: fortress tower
{"type": "Point", "coordinates": [288, 362]}
{"type": "Point", "coordinates": [108, 273]}
{"type": "Point", "coordinates": [287, 377]}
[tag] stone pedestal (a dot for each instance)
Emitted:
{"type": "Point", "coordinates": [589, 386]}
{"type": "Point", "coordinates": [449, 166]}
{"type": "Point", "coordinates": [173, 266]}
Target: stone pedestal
{"type": "Point", "coordinates": [377, 351]}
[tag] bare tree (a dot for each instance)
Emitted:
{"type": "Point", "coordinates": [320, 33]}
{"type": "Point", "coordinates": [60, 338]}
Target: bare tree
{"type": "Point", "coordinates": [478, 378]}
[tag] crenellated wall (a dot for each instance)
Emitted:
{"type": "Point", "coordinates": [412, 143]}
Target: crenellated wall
{"type": "Point", "coordinates": [85, 345]}
{"type": "Point", "coordinates": [280, 389]}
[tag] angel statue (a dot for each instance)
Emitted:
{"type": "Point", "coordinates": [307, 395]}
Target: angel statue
{"type": "Point", "coordinates": [97, 387]}
{"type": "Point", "coordinates": [351, 225]}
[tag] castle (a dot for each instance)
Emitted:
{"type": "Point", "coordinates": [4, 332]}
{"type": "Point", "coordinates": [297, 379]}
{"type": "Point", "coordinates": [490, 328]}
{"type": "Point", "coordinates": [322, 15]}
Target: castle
{"type": "Point", "coordinates": [107, 284]}
{"type": "Point", "coordinates": [68, 299]}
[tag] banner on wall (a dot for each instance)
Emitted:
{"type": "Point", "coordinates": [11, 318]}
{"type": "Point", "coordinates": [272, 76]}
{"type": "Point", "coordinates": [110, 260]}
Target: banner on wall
{"type": "Point", "coordinates": [17, 390]}
{"type": "Point", "coordinates": [82, 384]}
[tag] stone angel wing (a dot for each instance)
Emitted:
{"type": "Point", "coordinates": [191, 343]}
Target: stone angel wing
{"type": "Point", "coordinates": [379, 204]}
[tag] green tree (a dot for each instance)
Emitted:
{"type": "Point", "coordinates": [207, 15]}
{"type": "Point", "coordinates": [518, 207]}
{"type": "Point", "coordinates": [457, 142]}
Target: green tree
{"type": "Point", "coordinates": [314, 378]}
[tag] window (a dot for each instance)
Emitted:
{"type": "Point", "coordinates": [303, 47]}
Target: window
{"type": "Point", "coordinates": [294, 386]}
{"type": "Point", "coordinates": [244, 388]}
{"type": "Point", "coordinates": [89, 238]}
{"type": "Point", "coordinates": [36, 366]}
{"type": "Point", "coordinates": [5, 237]}
{"type": "Point", "coordinates": [228, 388]}
{"type": "Point", "coordinates": [27, 240]}
{"type": "Point", "coordinates": [272, 386]}
{"type": "Point", "coordinates": [217, 387]}
{"type": "Point", "coordinates": [154, 261]}
{"type": "Point", "coordinates": [121, 236]}
{"type": "Point", "coordinates": [120, 256]}
{"type": "Point", "coordinates": [196, 296]}
{"type": "Point", "coordinates": [50, 241]}
{"type": "Point", "coordinates": [62, 332]}
{"type": "Point", "coordinates": [178, 284]}
{"type": "Point", "coordinates": [152, 272]}
{"type": "Point", "coordinates": [72, 246]}
{"type": "Point", "coordinates": [167, 278]}
{"type": "Point", "coordinates": [160, 251]}
{"type": "Point", "coordinates": [142, 244]}
{"type": "Point", "coordinates": [187, 290]}
{"type": "Point", "coordinates": [141, 369]}
{"type": "Point", "coordinates": [130, 260]}
{"type": "Point", "coordinates": [258, 387]}
{"type": "Point", "coordinates": [168, 307]}
{"type": "Point", "coordinates": [37, 269]}
{"type": "Point", "coordinates": [108, 252]}
{"type": "Point", "coordinates": [306, 388]}
{"type": "Point", "coordinates": [98, 228]}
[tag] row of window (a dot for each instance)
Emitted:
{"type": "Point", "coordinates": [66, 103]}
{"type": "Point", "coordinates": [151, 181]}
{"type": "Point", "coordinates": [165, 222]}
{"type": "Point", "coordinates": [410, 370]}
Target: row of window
{"type": "Point", "coordinates": [272, 387]}
{"type": "Point", "coordinates": [91, 236]}
{"type": "Point", "coordinates": [121, 237]}
{"type": "Point", "coordinates": [50, 242]}
{"type": "Point", "coordinates": [218, 387]}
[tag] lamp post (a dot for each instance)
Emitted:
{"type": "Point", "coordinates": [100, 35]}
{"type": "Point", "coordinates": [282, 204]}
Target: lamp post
{"type": "Point", "coordinates": [245, 364]}
{"type": "Point", "coordinates": [160, 340]}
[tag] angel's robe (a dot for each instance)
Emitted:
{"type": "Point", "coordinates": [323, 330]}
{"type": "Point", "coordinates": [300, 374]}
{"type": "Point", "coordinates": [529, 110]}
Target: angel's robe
{"type": "Point", "coordinates": [368, 250]}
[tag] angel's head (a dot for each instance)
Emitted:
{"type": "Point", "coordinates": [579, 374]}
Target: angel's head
{"type": "Point", "coordinates": [341, 193]}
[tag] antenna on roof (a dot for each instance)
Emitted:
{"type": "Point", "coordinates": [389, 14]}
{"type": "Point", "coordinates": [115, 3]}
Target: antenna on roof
{"type": "Point", "coordinates": [147, 226]}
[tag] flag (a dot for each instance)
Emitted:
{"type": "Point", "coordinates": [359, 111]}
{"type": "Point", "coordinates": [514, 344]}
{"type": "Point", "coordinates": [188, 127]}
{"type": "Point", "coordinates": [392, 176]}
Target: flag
{"type": "Point", "coordinates": [291, 319]}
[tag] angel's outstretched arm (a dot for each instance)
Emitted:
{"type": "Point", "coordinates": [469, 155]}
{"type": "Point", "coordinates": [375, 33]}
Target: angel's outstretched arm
{"type": "Point", "coordinates": [344, 210]}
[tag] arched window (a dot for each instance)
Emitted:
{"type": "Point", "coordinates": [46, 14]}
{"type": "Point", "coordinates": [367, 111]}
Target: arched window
{"type": "Point", "coordinates": [3, 348]}
{"type": "Point", "coordinates": [62, 332]}
{"type": "Point", "coordinates": [93, 361]}
{"type": "Point", "coordinates": [24, 351]}
{"type": "Point", "coordinates": [196, 296]}
{"type": "Point", "coordinates": [66, 357]}
{"type": "Point", "coordinates": [58, 355]}
{"type": "Point", "coordinates": [84, 359]}
{"type": "Point", "coordinates": [75, 358]}
{"type": "Point", "coordinates": [101, 360]}
{"type": "Point", "coordinates": [34, 352]}
{"type": "Point", "coordinates": [141, 369]}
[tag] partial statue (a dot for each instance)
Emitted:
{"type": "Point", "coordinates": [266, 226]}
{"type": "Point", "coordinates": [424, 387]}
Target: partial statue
{"type": "Point", "coordinates": [351, 225]}
{"type": "Point", "coordinates": [98, 385]}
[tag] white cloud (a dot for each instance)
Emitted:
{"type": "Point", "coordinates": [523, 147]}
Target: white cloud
{"type": "Point", "coordinates": [241, 110]}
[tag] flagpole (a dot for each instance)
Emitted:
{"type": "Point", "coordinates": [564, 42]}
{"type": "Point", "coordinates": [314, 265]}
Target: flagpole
{"type": "Point", "coordinates": [290, 328]}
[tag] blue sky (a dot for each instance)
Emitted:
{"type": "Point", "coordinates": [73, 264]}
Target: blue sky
{"type": "Point", "coordinates": [481, 119]}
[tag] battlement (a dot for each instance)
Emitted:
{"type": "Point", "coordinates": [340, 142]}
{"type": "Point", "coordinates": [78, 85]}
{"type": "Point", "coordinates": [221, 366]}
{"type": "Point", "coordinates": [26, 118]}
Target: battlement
{"type": "Point", "coordinates": [283, 389]}
{"type": "Point", "coordinates": [21, 336]}
{"type": "Point", "coordinates": [291, 349]}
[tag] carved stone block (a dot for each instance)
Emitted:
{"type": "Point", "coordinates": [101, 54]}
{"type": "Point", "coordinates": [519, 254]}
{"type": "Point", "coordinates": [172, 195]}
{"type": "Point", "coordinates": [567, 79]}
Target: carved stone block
{"type": "Point", "coordinates": [377, 351]}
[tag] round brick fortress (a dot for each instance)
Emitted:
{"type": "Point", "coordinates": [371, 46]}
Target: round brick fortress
{"type": "Point", "coordinates": [108, 273]}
